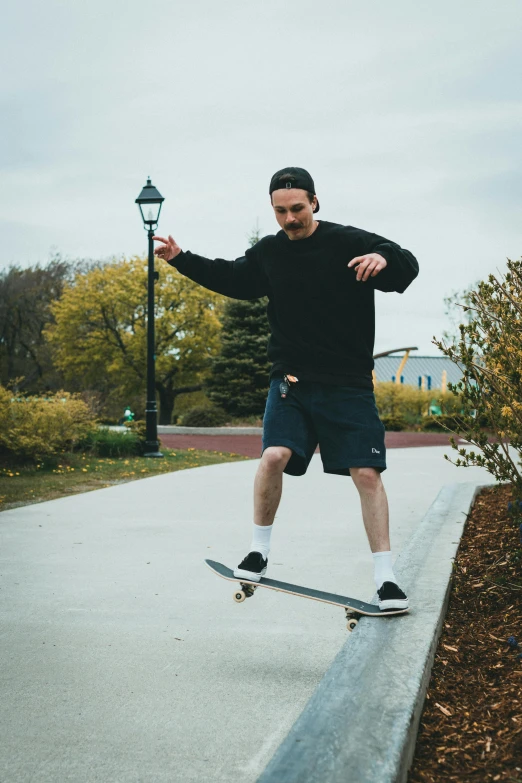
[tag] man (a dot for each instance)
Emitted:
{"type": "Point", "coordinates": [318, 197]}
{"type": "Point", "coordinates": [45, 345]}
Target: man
{"type": "Point", "coordinates": [319, 278]}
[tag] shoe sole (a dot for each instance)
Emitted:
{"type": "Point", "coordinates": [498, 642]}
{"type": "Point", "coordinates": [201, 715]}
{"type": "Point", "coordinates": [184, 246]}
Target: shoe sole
{"type": "Point", "coordinates": [394, 604]}
{"type": "Point", "coordinates": [252, 576]}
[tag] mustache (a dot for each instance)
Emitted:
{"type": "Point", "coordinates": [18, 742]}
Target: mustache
{"type": "Point", "coordinates": [293, 226]}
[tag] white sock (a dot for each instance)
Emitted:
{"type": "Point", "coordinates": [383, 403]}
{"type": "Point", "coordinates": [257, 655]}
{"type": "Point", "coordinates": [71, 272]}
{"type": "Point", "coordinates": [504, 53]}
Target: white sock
{"type": "Point", "coordinates": [261, 539]}
{"type": "Point", "coordinates": [383, 568]}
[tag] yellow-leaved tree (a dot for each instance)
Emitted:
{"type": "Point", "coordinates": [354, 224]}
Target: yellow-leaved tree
{"type": "Point", "coordinates": [99, 337]}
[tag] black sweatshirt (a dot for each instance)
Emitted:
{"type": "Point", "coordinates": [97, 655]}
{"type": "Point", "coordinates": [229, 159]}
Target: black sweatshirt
{"type": "Point", "coordinates": [322, 321]}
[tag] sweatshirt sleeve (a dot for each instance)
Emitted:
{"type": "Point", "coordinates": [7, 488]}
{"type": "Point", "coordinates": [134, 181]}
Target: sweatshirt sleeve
{"type": "Point", "coordinates": [402, 266]}
{"type": "Point", "coordinates": [242, 278]}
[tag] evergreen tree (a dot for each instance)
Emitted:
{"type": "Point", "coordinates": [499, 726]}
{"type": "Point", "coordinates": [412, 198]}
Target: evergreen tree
{"type": "Point", "coordinates": [238, 381]}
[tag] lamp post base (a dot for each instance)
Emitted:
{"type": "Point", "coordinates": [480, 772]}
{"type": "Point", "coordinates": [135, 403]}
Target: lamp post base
{"type": "Point", "coordinates": [152, 450]}
{"type": "Point", "coordinates": [151, 428]}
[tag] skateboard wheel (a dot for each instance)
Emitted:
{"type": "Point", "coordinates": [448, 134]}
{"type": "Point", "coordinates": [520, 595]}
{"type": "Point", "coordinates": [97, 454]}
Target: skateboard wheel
{"type": "Point", "coordinates": [351, 624]}
{"type": "Point", "coordinates": [239, 596]}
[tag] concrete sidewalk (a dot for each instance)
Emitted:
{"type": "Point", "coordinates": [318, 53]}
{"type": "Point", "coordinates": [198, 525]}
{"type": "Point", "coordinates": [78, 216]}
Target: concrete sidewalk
{"type": "Point", "coordinates": [126, 660]}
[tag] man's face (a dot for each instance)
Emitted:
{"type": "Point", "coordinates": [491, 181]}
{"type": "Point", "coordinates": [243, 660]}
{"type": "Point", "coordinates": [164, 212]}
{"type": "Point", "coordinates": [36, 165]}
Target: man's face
{"type": "Point", "coordinates": [294, 212]}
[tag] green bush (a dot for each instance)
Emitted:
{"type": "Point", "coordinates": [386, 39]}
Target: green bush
{"type": "Point", "coordinates": [104, 442]}
{"type": "Point", "coordinates": [32, 428]}
{"type": "Point", "coordinates": [205, 416]}
{"type": "Point", "coordinates": [395, 399]}
{"type": "Point", "coordinates": [411, 403]}
{"type": "Point", "coordinates": [394, 423]}
{"type": "Point", "coordinates": [138, 428]}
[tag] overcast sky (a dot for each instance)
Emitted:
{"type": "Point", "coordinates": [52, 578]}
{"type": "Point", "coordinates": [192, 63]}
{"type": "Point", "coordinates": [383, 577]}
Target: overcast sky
{"type": "Point", "coordinates": [407, 113]}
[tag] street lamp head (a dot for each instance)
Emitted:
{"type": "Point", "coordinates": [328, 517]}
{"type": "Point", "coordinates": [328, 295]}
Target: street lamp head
{"type": "Point", "coordinates": [149, 202]}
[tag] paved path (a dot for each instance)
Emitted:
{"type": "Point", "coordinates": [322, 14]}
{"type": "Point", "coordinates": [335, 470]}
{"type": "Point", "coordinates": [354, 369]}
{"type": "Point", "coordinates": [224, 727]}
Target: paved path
{"type": "Point", "coordinates": [125, 660]}
{"type": "Point", "coordinates": [250, 445]}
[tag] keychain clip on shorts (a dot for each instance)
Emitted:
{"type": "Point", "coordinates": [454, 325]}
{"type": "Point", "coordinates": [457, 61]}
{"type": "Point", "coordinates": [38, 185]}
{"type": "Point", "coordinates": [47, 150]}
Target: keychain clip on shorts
{"type": "Point", "coordinates": [284, 386]}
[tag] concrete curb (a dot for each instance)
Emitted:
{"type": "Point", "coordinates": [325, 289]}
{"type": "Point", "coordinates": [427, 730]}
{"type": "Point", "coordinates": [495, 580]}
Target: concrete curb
{"type": "Point", "coordinates": [164, 430]}
{"type": "Point", "coordinates": [167, 430]}
{"type": "Point", "coordinates": [361, 723]}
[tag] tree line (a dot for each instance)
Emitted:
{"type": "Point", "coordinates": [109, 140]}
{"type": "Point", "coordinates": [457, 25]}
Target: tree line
{"type": "Point", "coordinates": [80, 326]}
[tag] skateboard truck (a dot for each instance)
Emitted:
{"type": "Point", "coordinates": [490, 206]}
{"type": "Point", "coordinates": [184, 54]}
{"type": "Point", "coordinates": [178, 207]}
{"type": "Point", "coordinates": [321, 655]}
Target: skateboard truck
{"type": "Point", "coordinates": [351, 619]}
{"type": "Point", "coordinates": [247, 591]}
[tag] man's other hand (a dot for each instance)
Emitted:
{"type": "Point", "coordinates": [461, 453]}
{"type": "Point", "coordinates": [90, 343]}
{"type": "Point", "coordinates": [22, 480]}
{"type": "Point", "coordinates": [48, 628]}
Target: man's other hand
{"type": "Point", "coordinates": [368, 266]}
{"type": "Point", "coordinates": [168, 250]}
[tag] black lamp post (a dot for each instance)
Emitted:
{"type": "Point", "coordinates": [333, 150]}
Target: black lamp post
{"type": "Point", "coordinates": [149, 202]}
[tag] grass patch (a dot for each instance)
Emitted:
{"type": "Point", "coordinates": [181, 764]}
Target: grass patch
{"type": "Point", "coordinates": [245, 421]}
{"type": "Point", "coordinates": [74, 473]}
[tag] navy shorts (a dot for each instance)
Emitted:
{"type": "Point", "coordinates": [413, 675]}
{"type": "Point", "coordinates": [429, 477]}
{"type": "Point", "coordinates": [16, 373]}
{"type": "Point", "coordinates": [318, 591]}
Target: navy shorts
{"type": "Point", "coordinates": [343, 420]}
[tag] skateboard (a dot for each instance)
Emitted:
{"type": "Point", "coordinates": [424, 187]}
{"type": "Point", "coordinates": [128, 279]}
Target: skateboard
{"type": "Point", "coordinates": [353, 608]}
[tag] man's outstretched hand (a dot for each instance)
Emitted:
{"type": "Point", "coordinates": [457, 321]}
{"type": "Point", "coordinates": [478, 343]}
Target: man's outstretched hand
{"type": "Point", "coordinates": [368, 266]}
{"type": "Point", "coordinates": [168, 250]}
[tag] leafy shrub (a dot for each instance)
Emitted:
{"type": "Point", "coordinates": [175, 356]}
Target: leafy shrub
{"type": "Point", "coordinates": [394, 423]}
{"type": "Point", "coordinates": [138, 428]}
{"type": "Point", "coordinates": [411, 403]}
{"type": "Point", "coordinates": [32, 428]}
{"type": "Point", "coordinates": [490, 352]}
{"type": "Point", "coordinates": [104, 442]}
{"type": "Point", "coordinates": [205, 416]}
{"type": "Point", "coordinates": [395, 399]}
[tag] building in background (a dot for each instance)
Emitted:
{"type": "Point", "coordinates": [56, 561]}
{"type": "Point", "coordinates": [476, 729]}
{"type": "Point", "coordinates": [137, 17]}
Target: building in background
{"type": "Point", "coordinates": [423, 372]}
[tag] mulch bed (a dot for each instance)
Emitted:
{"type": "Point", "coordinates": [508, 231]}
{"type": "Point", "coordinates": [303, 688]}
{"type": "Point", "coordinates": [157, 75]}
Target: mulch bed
{"type": "Point", "coordinates": [250, 445]}
{"type": "Point", "coordinates": [471, 727]}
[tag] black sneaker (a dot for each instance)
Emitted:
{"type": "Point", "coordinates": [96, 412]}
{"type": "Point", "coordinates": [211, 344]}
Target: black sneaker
{"type": "Point", "coordinates": [253, 567]}
{"type": "Point", "coordinates": [392, 597]}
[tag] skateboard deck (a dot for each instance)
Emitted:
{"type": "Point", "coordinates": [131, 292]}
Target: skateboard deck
{"type": "Point", "coordinates": [352, 606]}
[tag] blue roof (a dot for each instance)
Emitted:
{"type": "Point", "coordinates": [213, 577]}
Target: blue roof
{"type": "Point", "coordinates": [416, 367]}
